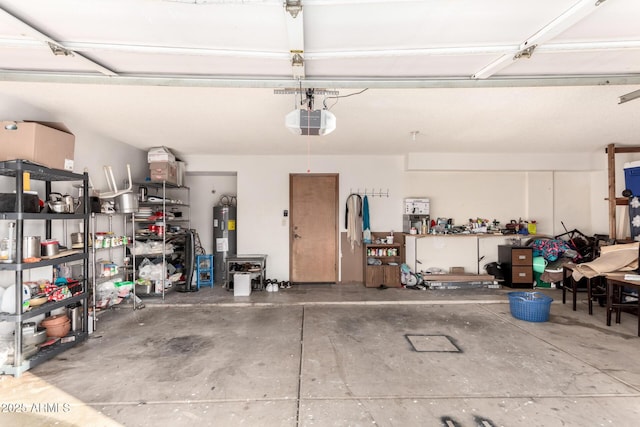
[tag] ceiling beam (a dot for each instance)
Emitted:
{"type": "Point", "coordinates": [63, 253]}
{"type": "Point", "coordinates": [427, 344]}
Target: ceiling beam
{"type": "Point", "coordinates": [333, 83]}
{"type": "Point", "coordinates": [564, 21]}
{"type": "Point", "coordinates": [293, 15]}
{"type": "Point", "coordinates": [56, 47]}
{"type": "Point", "coordinates": [629, 97]}
{"type": "Point", "coordinates": [576, 47]}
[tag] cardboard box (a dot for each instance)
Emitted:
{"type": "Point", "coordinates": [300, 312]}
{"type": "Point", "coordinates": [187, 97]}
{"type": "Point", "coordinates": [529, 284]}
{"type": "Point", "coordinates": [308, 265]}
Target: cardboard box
{"type": "Point", "coordinates": [47, 144]}
{"type": "Point", "coordinates": [241, 284]}
{"type": "Point", "coordinates": [160, 154]}
{"type": "Point", "coordinates": [164, 171]}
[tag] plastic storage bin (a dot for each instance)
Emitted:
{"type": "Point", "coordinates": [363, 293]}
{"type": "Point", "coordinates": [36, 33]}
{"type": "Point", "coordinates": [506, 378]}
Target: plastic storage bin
{"type": "Point", "coordinates": [204, 264]}
{"type": "Point", "coordinates": [530, 306]}
{"type": "Point", "coordinates": [632, 178]}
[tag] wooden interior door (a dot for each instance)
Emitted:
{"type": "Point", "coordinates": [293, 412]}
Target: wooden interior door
{"type": "Point", "coordinates": [313, 228]}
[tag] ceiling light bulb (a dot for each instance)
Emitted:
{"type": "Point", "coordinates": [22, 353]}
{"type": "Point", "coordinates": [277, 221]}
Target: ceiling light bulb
{"type": "Point", "coordinates": [414, 134]}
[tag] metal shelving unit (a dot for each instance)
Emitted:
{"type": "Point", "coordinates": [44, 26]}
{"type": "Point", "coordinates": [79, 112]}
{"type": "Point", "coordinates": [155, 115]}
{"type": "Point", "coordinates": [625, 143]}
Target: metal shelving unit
{"type": "Point", "coordinates": [161, 191]}
{"type": "Point", "coordinates": [16, 170]}
{"type": "Point", "coordinates": [96, 278]}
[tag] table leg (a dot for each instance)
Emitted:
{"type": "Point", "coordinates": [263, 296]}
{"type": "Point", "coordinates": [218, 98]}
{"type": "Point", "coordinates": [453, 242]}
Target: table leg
{"type": "Point", "coordinates": [618, 300]}
{"type": "Point", "coordinates": [589, 297]}
{"type": "Point", "coordinates": [639, 314]}
{"type": "Point", "coordinates": [609, 301]}
{"type": "Point", "coordinates": [565, 282]}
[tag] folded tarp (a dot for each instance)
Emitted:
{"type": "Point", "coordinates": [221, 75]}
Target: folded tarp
{"type": "Point", "coordinates": [612, 258]}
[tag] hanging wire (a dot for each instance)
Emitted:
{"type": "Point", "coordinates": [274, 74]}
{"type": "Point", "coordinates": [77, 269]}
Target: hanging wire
{"type": "Point", "coordinates": [337, 97]}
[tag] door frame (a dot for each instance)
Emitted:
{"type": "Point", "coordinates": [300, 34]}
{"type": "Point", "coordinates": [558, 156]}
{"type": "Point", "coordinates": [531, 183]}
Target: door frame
{"type": "Point", "coordinates": [336, 232]}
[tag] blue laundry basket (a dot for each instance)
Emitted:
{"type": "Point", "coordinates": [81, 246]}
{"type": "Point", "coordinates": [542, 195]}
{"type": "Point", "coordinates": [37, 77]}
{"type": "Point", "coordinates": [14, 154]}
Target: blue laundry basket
{"type": "Point", "coordinates": [530, 306]}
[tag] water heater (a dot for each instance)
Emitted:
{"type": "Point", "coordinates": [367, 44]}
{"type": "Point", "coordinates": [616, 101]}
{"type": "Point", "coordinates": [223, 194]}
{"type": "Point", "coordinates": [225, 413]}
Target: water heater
{"type": "Point", "coordinates": [224, 239]}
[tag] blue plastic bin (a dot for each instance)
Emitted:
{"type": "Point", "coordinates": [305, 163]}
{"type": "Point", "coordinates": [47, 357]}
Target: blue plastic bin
{"type": "Point", "coordinates": [530, 306]}
{"type": "Point", "coordinates": [632, 180]}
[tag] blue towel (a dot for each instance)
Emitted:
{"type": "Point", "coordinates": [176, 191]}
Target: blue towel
{"type": "Point", "coordinates": [365, 214]}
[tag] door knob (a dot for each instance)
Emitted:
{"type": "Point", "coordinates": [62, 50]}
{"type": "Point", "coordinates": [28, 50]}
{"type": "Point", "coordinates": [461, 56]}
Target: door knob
{"type": "Point", "coordinates": [296, 236]}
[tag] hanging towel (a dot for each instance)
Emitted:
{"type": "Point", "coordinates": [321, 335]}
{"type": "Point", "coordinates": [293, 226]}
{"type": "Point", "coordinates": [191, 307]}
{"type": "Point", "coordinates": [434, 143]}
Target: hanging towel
{"type": "Point", "coordinates": [366, 226]}
{"type": "Point", "coordinates": [350, 209]}
{"type": "Point", "coordinates": [353, 220]}
{"type": "Point", "coordinates": [365, 214]}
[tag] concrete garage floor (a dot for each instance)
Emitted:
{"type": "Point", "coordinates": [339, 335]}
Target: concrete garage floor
{"type": "Point", "coordinates": [339, 355]}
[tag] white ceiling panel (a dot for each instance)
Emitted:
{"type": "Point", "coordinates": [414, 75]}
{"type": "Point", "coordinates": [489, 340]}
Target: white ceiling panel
{"type": "Point", "coordinates": [614, 20]}
{"type": "Point", "coordinates": [155, 22]}
{"type": "Point", "coordinates": [435, 23]}
{"type": "Point", "coordinates": [202, 65]}
{"type": "Point", "coordinates": [402, 66]}
{"type": "Point", "coordinates": [603, 63]}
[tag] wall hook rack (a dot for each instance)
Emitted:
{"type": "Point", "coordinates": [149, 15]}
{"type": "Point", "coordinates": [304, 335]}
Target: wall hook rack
{"type": "Point", "coordinates": [370, 192]}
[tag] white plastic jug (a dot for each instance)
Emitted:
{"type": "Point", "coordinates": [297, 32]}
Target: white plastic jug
{"type": "Point", "coordinates": [9, 298]}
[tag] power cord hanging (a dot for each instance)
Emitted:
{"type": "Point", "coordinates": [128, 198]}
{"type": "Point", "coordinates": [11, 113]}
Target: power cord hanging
{"type": "Point", "coordinates": [337, 97]}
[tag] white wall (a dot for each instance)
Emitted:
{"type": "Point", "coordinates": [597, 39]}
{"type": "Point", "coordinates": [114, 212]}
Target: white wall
{"type": "Point", "coordinates": [464, 195]}
{"type": "Point", "coordinates": [206, 190]}
{"type": "Point", "coordinates": [572, 200]}
{"type": "Point", "coordinates": [575, 195]}
{"type": "Point", "coordinates": [540, 205]}
{"type": "Point", "coordinates": [263, 194]}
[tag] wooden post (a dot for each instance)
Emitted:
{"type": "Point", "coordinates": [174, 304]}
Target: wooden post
{"type": "Point", "coordinates": [611, 169]}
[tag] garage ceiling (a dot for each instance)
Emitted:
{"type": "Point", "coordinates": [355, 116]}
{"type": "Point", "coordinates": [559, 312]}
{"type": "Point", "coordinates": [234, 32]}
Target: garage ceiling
{"type": "Point", "coordinates": [464, 76]}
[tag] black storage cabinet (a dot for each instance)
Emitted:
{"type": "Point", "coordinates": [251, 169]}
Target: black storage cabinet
{"type": "Point", "coordinates": [517, 265]}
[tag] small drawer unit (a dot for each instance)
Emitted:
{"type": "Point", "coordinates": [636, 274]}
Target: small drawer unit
{"type": "Point", "coordinates": [517, 265]}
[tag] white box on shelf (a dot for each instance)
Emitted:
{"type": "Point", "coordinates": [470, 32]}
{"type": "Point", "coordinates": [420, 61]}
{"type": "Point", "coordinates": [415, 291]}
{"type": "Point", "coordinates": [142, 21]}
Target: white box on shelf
{"type": "Point", "coordinates": [160, 154]}
{"type": "Point", "coordinates": [241, 284]}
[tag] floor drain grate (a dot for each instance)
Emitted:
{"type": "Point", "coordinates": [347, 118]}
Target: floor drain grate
{"type": "Point", "coordinates": [433, 344]}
